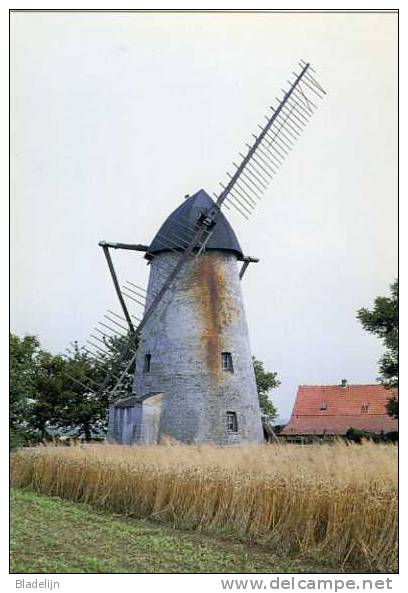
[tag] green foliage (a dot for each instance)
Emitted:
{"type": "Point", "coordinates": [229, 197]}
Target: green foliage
{"type": "Point", "coordinates": [49, 382]}
{"type": "Point", "coordinates": [265, 382]}
{"type": "Point", "coordinates": [358, 436]}
{"type": "Point", "coordinates": [23, 437]}
{"type": "Point", "coordinates": [382, 321]}
{"type": "Point", "coordinates": [81, 409]}
{"type": "Point", "coordinates": [23, 364]}
{"type": "Point", "coordinates": [52, 395]}
{"type": "Point", "coordinates": [392, 407]}
{"type": "Point", "coordinates": [120, 362]}
{"type": "Point", "coordinates": [78, 408]}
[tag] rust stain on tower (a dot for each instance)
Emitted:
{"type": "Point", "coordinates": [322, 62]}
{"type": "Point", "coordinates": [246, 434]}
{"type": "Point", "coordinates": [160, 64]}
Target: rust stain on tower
{"type": "Point", "coordinates": [211, 292]}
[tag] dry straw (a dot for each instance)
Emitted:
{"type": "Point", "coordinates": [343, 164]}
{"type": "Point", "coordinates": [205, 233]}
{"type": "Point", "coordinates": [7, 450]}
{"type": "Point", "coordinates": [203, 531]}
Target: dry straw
{"type": "Point", "coordinates": [335, 500]}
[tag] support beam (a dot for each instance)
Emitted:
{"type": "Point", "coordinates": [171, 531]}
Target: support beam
{"type": "Point", "coordinates": [131, 247]}
{"type": "Point", "coordinates": [105, 248]}
{"type": "Point", "coordinates": [247, 259]}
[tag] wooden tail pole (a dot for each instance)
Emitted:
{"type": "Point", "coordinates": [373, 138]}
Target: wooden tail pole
{"type": "Point", "coordinates": [117, 287]}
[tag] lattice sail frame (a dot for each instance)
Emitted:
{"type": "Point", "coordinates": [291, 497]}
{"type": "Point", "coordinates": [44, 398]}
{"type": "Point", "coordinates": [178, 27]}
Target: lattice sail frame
{"type": "Point", "coordinates": [242, 191]}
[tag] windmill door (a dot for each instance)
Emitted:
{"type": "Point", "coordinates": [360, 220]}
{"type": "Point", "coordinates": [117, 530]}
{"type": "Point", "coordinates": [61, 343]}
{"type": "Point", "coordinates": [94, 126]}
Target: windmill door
{"type": "Point", "coordinates": [151, 413]}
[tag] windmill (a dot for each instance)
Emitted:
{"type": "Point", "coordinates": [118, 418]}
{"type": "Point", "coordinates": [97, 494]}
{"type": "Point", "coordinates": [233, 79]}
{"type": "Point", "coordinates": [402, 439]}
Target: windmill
{"type": "Point", "coordinates": [194, 379]}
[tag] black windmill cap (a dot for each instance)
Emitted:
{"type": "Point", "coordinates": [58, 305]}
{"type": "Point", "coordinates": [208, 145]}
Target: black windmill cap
{"type": "Point", "coordinates": [175, 226]}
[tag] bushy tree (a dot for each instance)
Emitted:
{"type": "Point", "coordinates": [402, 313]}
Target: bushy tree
{"type": "Point", "coordinates": [87, 385]}
{"type": "Point", "coordinates": [120, 362]}
{"type": "Point", "coordinates": [51, 393]}
{"type": "Point", "coordinates": [23, 364]}
{"type": "Point", "coordinates": [48, 390]}
{"type": "Point", "coordinates": [83, 404]}
{"type": "Point", "coordinates": [382, 321]}
{"type": "Point", "coordinates": [265, 382]}
{"type": "Point", "coordinates": [392, 407]}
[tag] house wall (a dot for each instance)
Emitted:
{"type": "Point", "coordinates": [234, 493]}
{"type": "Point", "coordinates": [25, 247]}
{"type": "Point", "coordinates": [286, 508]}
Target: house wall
{"type": "Point", "coordinates": [150, 424]}
{"type": "Point", "coordinates": [124, 423]}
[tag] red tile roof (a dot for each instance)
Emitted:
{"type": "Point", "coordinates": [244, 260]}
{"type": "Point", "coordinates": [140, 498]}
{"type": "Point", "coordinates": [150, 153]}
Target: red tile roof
{"type": "Point", "coordinates": [344, 410]}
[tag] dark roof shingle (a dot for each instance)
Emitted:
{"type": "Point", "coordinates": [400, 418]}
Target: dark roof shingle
{"type": "Point", "coordinates": [223, 237]}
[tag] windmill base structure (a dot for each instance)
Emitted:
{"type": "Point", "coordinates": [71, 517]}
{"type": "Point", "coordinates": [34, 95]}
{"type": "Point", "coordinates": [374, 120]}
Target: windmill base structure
{"type": "Point", "coordinates": [194, 377]}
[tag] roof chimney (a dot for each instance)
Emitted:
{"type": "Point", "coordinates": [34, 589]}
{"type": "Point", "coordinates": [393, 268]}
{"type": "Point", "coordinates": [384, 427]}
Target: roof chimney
{"type": "Point", "coordinates": [344, 382]}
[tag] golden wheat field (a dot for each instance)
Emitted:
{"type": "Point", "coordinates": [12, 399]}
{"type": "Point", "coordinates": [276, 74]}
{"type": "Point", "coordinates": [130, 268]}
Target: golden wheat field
{"type": "Point", "coordinates": [338, 501]}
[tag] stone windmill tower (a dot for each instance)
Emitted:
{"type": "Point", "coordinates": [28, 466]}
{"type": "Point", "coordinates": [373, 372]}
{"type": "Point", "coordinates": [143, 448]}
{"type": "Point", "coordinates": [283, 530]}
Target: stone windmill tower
{"type": "Point", "coordinates": [194, 379]}
{"type": "Point", "coordinates": [195, 361]}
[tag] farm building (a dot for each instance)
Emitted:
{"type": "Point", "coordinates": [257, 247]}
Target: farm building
{"type": "Point", "coordinates": [334, 409]}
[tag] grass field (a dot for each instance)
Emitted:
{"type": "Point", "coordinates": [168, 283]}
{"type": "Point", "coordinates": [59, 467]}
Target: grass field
{"type": "Point", "coordinates": [333, 502]}
{"type": "Point", "coordinates": [50, 535]}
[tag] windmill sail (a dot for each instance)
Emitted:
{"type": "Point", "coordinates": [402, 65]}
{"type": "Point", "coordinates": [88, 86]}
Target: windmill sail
{"type": "Point", "coordinates": [273, 143]}
{"type": "Point", "coordinates": [242, 191]}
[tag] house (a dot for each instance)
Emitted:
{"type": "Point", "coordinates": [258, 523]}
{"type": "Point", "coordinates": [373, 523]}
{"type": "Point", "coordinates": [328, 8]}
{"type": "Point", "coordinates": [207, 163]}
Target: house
{"type": "Point", "coordinates": [334, 409]}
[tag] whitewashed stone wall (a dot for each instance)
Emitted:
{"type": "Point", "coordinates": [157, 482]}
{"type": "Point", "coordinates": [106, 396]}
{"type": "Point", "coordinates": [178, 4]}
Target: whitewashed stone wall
{"type": "Point", "coordinates": [203, 318]}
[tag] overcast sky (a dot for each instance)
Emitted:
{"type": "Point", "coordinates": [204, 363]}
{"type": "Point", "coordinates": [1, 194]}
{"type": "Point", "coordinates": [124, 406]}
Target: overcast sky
{"type": "Point", "coordinates": [115, 117]}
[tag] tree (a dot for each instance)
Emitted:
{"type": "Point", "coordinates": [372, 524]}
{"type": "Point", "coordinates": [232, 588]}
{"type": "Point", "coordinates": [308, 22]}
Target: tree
{"type": "Point", "coordinates": [88, 382]}
{"type": "Point", "coordinates": [265, 381]}
{"type": "Point", "coordinates": [35, 388]}
{"type": "Point", "coordinates": [83, 405]}
{"type": "Point", "coordinates": [23, 355]}
{"type": "Point", "coordinates": [50, 393]}
{"type": "Point", "coordinates": [120, 361]}
{"type": "Point", "coordinates": [49, 380]}
{"type": "Point", "coordinates": [382, 321]}
{"type": "Point", "coordinates": [392, 407]}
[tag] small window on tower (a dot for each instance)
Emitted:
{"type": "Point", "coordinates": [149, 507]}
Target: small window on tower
{"type": "Point", "coordinates": [364, 409]}
{"type": "Point", "coordinates": [147, 359]}
{"type": "Point", "coordinates": [323, 406]}
{"type": "Point", "coordinates": [232, 422]}
{"type": "Point", "coordinates": [226, 361]}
